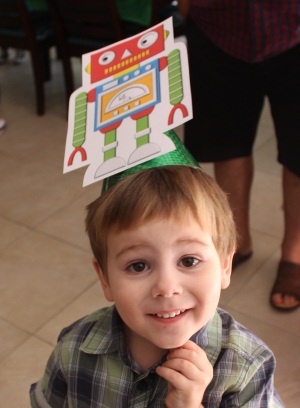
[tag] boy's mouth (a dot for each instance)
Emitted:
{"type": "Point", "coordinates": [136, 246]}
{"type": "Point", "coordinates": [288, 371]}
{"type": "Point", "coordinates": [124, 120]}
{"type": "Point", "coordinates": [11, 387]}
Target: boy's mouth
{"type": "Point", "coordinates": [170, 315]}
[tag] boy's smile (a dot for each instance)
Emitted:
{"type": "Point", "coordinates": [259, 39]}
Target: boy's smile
{"type": "Point", "coordinates": [165, 278]}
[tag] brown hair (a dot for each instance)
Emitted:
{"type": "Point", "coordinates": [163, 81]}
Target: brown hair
{"type": "Point", "coordinates": [162, 192]}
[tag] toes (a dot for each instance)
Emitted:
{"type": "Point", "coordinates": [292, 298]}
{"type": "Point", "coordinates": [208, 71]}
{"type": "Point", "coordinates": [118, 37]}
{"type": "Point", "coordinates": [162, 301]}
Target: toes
{"type": "Point", "coordinates": [283, 301]}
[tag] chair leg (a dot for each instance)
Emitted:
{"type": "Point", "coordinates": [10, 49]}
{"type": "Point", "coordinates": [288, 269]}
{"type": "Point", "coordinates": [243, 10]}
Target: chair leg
{"type": "Point", "coordinates": [69, 81]}
{"type": "Point", "coordinates": [38, 73]}
{"type": "Point", "coordinates": [45, 57]}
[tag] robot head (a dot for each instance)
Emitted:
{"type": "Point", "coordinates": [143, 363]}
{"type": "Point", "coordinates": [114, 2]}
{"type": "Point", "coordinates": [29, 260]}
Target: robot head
{"type": "Point", "coordinates": [122, 57]}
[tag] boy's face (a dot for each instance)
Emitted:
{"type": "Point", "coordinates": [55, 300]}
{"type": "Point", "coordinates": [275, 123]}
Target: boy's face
{"type": "Point", "coordinates": [165, 278]}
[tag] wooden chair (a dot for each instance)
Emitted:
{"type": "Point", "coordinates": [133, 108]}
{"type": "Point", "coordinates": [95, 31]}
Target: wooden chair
{"type": "Point", "coordinates": [83, 26]}
{"type": "Point", "coordinates": [24, 30]}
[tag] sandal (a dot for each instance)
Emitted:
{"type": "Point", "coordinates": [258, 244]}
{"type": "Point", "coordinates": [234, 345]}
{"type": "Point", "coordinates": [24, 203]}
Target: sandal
{"type": "Point", "coordinates": [287, 282]}
{"type": "Point", "coordinates": [239, 258]}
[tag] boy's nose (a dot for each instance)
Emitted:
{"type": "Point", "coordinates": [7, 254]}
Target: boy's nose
{"type": "Point", "coordinates": [166, 285]}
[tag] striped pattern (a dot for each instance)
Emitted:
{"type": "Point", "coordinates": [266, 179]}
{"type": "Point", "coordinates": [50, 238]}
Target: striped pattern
{"type": "Point", "coordinates": [80, 119]}
{"type": "Point", "coordinates": [175, 77]}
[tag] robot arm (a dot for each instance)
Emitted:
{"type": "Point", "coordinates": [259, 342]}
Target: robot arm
{"type": "Point", "coordinates": [79, 129]}
{"type": "Point", "coordinates": [175, 85]}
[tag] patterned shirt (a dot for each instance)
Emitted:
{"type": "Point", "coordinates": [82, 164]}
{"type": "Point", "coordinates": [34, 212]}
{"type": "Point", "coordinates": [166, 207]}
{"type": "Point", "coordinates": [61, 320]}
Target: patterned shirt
{"type": "Point", "coordinates": [91, 368]}
{"type": "Point", "coordinates": [250, 30]}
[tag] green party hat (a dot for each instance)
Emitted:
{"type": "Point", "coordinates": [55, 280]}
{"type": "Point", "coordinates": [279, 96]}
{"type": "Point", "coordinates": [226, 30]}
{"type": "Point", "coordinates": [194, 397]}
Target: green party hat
{"type": "Point", "coordinates": [180, 156]}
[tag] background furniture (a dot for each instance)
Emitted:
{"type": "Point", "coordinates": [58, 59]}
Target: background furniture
{"type": "Point", "coordinates": [83, 26]}
{"type": "Point", "coordinates": [28, 30]}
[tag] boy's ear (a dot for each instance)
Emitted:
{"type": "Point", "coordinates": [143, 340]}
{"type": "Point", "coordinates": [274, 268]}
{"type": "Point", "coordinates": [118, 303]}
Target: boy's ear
{"type": "Point", "coordinates": [226, 266]}
{"type": "Point", "coordinates": [103, 280]}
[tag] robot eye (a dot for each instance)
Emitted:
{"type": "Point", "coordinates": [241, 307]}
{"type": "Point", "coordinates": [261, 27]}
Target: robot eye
{"type": "Point", "coordinates": [148, 39]}
{"type": "Point", "coordinates": [107, 58]}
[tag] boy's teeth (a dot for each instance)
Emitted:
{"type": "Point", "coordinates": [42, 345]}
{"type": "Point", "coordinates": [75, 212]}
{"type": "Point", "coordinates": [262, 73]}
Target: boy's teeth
{"type": "Point", "coordinates": [168, 315]}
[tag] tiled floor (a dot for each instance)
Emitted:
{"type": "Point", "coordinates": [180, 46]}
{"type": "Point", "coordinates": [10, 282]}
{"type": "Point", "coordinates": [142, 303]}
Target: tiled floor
{"type": "Point", "coordinates": [46, 276]}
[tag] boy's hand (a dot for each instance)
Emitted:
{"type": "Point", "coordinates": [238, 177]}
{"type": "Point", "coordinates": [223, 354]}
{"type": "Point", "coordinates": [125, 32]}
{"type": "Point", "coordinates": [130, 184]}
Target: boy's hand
{"type": "Point", "coordinates": [188, 373]}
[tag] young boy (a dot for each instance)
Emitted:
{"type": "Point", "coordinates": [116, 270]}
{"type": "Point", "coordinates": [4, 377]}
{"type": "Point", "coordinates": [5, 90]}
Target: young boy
{"type": "Point", "coordinates": [163, 239]}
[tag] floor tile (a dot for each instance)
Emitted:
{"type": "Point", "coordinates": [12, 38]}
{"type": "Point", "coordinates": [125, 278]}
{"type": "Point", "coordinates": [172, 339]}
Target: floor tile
{"type": "Point", "coordinates": [35, 140]}
{"type": "Point", "coordinates": [89, 301]}
{"type": "Point", "coordinates": [9, 231]}
{"type": "Point", "coordinates": [253, 299]}
{"type": "Point", "coordinates": [45, 276]}
{"type": "Point", "coordinates": [266, 213]}
{"type": "Point", "coordinates": [20, 369]}
{"type": "Point", "coordinates": [30, 193]}
{"type": "Point", "coordinates": [68, 223]}
{"type": "Point", "coordinates": [11, 337]}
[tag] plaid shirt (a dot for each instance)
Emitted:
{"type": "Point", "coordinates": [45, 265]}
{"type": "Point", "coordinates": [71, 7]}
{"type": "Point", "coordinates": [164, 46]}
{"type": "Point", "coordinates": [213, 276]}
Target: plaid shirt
{"type": "Point", "coordinates": [250, 30]}
{"type": "Point", "coordinates": [90, 367]}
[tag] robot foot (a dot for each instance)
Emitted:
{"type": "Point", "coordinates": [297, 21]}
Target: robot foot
{"type": "Point", "coordinates": [143, 151]}
{"type": "Point", "coordinates": [109, 166]}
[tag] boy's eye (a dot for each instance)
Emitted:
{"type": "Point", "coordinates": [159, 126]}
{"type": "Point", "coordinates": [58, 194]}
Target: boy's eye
{"type": "Point", "coordinates": [189, 262]}
{"type": "Point", "coordinates": [138, 267]}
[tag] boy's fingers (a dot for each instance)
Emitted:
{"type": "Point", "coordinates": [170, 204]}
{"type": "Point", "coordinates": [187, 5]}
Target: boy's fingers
{"type": "Point", "coordinates": [177, 379]}
{"type": "Point", "coordinates": [194, 355]}
{"type": "Point", "coordinates": [197, 360]}
{"type": "Point", "coordinates": [190, 370]}
{"type": "Point", "coordinates": [181, 367]}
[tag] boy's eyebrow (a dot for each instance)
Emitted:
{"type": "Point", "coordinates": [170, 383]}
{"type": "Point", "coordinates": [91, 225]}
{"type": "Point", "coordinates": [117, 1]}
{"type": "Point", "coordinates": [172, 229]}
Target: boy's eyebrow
{"type": "Point", "coordinates": [128, 249]}
{"type": "Point", "coordinates": [179, 241]}
{"type": "Point", "coordinates": [193, 241]}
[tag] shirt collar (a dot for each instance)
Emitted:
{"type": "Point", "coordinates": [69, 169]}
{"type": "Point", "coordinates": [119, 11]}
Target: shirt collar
{"type": "Point", "coordinates": [209, 338]}
{"type": "Point", "coordinates": [107, 337]}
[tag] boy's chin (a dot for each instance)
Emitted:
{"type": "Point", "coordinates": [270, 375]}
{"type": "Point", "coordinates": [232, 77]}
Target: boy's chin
{"type": "Point", "coordinates": [169, 344]}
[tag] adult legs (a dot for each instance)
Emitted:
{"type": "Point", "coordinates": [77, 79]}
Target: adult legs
{"type": "Point", "coordinates": [227, 103]}
{"type": "Point", "coordinates": [291, 238]}
{"type": "Point", "coordinates": [235, 178]}
{"type": "Point", "coordinates": [283, 84]}
{"type": "Point", "coordinates": [291, 194]}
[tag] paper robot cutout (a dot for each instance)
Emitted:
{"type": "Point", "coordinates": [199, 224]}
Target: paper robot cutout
{"type": "Point", "coordinates": [132, 92]}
